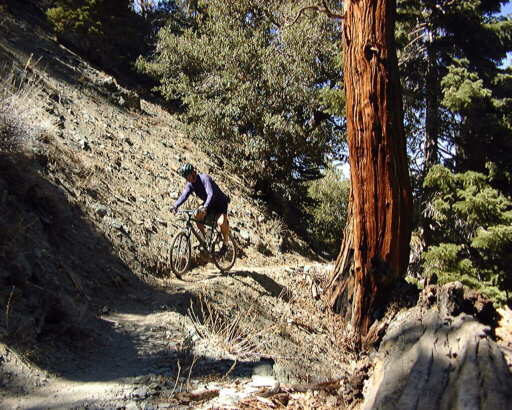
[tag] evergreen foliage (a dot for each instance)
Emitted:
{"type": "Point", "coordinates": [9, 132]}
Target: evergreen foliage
{"type": "Point", "coordinates": [472, 233]}
{"type": "Point", "coordinates": [457, 108]}
{"type": "Point", "coordinates": [457, 98]}
{"type": "Point", "coordinates": [484, 107]}
{"type": "Point", "coordinates": [67, 16]}
{"type": "Point", "coordinates": [108, 31]}
{"type": "Point", "coordinates": [253, 90]}
{"type": "Point", "coordinates": [330, 210]}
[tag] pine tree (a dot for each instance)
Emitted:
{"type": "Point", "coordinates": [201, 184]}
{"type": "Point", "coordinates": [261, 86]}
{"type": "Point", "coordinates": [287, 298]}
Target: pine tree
{"type": "Point", "coordinates": [457, 95]}
{"type": "Point", "coordinates": [472, 232]}
{"type": "Point", "coordinates": [446, 46]}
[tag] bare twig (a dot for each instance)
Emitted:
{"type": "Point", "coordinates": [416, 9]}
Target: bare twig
{"type": "Point", "coordinates": [194, 360]}
{"type": "Point", "coordinates": [8, 308]}
{"type": "Point", "coordinates": [323, 8]}
{"type": "Point", "coordinates": [177, 379]}
{"type": "Point", "coordinates": [230, 369]}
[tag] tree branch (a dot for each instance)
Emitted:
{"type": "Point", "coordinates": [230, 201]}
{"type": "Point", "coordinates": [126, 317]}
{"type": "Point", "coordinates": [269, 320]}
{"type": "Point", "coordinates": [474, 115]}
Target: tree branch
{"type": "Point", "coordinates": [329, 13]}
{"type": "Point", "coordinates": [323, 8]}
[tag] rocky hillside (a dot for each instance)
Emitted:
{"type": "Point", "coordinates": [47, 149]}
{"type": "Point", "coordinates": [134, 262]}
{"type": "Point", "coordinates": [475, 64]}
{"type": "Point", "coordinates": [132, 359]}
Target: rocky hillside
{"type": "Point", "coordinates": [95, 190]}
{"type": "Point", "coordinates": [91, 317]}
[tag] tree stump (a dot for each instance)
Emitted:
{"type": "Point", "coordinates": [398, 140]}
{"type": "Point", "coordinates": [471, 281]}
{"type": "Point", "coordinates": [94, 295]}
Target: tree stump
{"type": "Point", "coordinates": [435, 357]}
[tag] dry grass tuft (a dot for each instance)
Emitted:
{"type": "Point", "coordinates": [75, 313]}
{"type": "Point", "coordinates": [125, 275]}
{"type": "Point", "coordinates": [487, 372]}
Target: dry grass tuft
{"type": "Point", "coordinates": [22, 117]}
{"type": "Point", "coordinates": [234, 331]}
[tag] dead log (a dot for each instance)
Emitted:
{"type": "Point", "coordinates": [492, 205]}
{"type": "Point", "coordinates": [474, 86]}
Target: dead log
{"type": "Point", "coordinates": [435, 356]}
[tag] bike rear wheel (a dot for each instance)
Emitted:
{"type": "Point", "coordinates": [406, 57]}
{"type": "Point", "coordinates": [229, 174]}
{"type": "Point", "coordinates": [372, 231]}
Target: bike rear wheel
{"type": "Point", "coordinates": [226, 260]}
{"type": "Point", "coordinates": [180, 254]}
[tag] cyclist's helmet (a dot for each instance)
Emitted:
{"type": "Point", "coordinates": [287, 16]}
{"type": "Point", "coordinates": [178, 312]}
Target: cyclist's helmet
{"type": "Point", "coordinates": [186, 170]}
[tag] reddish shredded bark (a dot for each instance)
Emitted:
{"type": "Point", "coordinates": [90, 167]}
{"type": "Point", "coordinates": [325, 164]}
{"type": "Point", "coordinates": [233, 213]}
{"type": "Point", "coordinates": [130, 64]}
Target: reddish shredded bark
{"type": "Point", "coordinates": [381, 194]}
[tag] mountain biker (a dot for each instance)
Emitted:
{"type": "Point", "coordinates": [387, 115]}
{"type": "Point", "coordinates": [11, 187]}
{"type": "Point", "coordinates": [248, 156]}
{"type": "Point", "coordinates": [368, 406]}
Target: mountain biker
{"type": "Point", "coordinates": [215, 201]}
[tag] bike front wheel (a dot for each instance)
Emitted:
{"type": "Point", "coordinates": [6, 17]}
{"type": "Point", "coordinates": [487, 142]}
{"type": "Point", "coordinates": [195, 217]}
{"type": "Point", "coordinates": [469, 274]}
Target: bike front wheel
{"type": "Point", "coordinates": [224, 260]}
{"type": "Point", "coordinates": [180, 254]}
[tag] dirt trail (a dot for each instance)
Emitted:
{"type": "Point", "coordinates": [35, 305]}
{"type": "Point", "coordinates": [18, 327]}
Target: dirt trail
{"type": "Point", "coordinates": [131, 345]}
{"type": "Point", "coordinates": [150, 339]}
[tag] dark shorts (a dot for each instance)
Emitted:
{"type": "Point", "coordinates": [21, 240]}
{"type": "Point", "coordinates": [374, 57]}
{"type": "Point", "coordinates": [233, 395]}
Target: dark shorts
{"type": "Point", "coordinates": [218, 209]}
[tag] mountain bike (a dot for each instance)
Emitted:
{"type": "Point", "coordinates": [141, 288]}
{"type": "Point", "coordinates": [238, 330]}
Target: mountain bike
{"type": "Point", "coordinates": [180, 254]}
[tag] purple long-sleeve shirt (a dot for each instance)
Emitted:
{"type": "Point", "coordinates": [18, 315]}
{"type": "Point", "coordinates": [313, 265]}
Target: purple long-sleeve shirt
{"type": "Point", "coordinates": [206, 189]}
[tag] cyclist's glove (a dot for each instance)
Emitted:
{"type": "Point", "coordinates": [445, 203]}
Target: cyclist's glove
{"type": "Point", "coordinates": [173, 209]}
{"type": "Point", "coordinates": [201, 209]}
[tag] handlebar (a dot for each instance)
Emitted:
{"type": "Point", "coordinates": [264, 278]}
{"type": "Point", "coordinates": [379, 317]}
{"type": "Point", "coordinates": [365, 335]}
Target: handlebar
{"type": "Point", "coordinates": [185, 211]}
{"type": "Point", "coordinates": [189, 213]}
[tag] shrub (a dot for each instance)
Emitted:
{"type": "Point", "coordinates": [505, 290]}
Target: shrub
{"type": "Point", "coordinates": [266, 96]}
{"type": "Point", "coordinates": [472, 234]}
{"type": "Point", "coordinates": [329, 212]}
{"type": "Point", "coordinates": [20, 115]}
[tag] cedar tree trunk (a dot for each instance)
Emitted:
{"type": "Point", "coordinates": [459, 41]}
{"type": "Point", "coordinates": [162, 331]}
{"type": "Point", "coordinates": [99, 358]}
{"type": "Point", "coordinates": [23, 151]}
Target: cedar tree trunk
{"type": "Point", "coordinates": [375, 250]}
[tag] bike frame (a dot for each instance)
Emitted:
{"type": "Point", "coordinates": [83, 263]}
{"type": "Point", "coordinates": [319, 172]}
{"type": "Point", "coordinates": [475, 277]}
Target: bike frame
{"type": "Point", "coordinates": [190, 228]}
